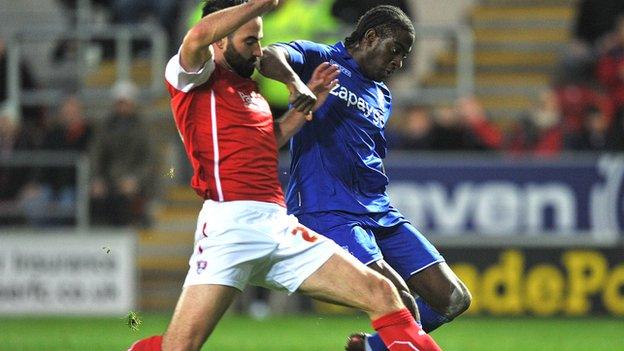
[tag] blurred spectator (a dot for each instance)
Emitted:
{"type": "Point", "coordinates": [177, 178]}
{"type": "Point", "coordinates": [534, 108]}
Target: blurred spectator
{"type": "Point", "coordinates": [414, 131]}
{"type": "Point", "coordinates": [14, 180]}
{"type": "Point", "coordinates": [123, 163]}
{"type": "Point", "coordinates": [448, 133]}
{"type": "Point", "coordinates": [577, 64]}
{"type": "Point", "coordinates": [481, 133]}
{"type": "Point", "coordinates": [611, 68]}
{"type": "Point", "coordinates": [595, 18]}
{"type": "Point", "coordinates": [539, 131]}
{"type": "Point", "coordinates": [31, 115]}
{"type": "Point", "coordinates": [464, 128]}
{"type": "Point", "coordinates": [577, 90]}
{"type": "Point", "coordinates": [53, 199]}
{"type": "Point", "coordinates": [594, 134]}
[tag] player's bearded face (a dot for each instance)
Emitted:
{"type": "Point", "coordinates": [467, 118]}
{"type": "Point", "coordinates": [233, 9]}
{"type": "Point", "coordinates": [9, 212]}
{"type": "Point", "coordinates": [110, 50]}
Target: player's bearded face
{"type": "Point", "coordinates": [244, 67]}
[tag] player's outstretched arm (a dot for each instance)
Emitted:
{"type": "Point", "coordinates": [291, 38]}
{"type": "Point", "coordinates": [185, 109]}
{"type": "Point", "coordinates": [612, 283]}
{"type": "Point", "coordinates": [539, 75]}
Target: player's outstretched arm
{"type": "Point", "coordinates": [322, 81]}
{"type": "Point", "coordinates": [216, 26]}
{"type": "Point", "coordinates": [274, 65]}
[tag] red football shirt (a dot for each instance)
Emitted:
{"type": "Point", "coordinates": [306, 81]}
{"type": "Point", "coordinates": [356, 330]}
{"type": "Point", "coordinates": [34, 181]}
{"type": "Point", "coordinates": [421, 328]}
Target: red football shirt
{"type": "Point", "coordinates": [227, 130]}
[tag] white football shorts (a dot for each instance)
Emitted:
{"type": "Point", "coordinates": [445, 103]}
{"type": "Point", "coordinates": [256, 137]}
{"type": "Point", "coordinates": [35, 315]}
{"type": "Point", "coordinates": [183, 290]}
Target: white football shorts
{"type": "Point", "coordinates": [258, 243]}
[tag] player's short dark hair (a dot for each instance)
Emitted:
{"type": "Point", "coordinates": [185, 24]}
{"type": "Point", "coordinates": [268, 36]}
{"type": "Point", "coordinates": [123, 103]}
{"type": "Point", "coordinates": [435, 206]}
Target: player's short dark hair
{"type": "Point", "coordinates": [384, 19]}
{"type": "Point", "coordinates": [211, 6]}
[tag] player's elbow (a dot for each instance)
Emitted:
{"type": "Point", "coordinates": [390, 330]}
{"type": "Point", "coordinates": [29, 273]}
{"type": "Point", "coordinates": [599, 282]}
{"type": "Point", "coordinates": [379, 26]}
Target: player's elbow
{"type": "Point", "coordinates": [196, 38]}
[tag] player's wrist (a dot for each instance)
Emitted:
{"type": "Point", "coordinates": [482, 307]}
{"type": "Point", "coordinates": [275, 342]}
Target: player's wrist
{"type": "Point", "coordinates": [293, 82]}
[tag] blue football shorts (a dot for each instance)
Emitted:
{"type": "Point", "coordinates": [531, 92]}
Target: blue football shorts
{"type": "Point", "coordinates": [372, 237]}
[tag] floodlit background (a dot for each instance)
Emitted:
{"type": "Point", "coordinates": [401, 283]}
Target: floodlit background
{"type": "Point", "coordinates": [506, 150]}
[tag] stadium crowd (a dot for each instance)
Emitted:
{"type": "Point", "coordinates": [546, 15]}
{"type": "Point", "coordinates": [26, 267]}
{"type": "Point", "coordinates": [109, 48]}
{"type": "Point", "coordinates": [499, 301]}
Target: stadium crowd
{"type": "Point", "coordinates": [581, 110]}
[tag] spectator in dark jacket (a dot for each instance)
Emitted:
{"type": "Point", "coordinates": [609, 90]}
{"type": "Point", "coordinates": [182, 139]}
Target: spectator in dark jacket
{"type": "Point", "coordinates": [539, 131]}
{"type": "Point", "coordinates": [123, 163]}
{"type": "Point", "coordinates": [593, 135]}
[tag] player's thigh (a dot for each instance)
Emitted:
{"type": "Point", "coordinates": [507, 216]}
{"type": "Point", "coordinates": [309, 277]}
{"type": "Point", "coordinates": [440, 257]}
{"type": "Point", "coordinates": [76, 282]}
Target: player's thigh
{"type": "Point", "coordinates": [344, 280]}
{"type": "Point", "coordinates": [347, 232]}
{"type": "Point", "coordinates": [407, 250]}
{"type": "Point", "coordinates": [199, 309]}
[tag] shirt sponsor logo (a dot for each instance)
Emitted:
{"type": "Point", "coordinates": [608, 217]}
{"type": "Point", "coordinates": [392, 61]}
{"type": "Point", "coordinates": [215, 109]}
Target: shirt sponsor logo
{"type": "Point", "coordinates": [250, 99]}
{"type": "Point", "coordinates": [353, 100]}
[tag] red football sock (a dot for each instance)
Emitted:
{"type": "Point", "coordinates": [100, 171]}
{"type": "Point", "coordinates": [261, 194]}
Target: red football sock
{"type": "Point", "coordinates": [399, 332]}
{"type": "Point", "coordinates": [152, 343]}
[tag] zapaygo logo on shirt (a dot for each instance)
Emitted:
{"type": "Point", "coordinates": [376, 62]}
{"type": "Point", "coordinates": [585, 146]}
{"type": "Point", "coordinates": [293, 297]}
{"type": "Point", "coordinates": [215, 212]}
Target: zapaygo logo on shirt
{"type": "Point", "coordinates": [353, 100]}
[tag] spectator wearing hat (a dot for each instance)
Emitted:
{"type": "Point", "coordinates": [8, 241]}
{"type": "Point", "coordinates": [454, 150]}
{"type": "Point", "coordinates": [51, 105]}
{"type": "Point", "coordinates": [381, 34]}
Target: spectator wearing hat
{"type": "Point", "coordinates": [122, 160]}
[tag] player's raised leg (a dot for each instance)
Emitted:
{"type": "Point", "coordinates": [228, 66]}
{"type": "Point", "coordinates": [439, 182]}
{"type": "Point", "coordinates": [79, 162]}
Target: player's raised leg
{"type": "Point", "coordinates": [345, 280]}
{"type": "Point", "coordinates": [442, 296]}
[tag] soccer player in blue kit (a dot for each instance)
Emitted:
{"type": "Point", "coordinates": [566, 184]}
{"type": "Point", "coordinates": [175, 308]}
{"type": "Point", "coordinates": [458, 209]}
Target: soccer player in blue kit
{"type": "Point", "coordinates": [337, 179]}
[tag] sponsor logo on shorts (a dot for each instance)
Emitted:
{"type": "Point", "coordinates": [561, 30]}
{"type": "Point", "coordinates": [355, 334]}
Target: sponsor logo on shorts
{"type": "Point", "coordinates": [201, 266]}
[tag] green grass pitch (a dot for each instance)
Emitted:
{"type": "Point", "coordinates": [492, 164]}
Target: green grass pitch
{"type": "Point", "coordinates": [314, 333]}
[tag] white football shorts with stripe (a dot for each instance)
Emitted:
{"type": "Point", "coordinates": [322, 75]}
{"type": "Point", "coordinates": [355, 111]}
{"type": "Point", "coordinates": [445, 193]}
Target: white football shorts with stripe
{"type": "Point", "coordinates": [258, 243]}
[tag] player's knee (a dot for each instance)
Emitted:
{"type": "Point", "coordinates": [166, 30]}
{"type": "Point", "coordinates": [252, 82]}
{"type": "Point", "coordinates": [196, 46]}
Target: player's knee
{"type": "Point", "coordinates": [384, 295]}
{"type": "Point", "coordinates": [459, 301]}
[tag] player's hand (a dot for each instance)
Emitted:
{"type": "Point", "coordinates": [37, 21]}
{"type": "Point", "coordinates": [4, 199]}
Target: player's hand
{"type": "Point", "coordinates": [301, 97]}
{"type": "Point", "coordinates": [323, 80]}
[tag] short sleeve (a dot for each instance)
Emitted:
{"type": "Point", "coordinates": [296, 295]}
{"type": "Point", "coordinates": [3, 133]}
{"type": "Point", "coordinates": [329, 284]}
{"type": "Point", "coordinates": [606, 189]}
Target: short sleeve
{"type": "Point", "coordinates": [183, 80]}
{"type": "Point", "coordinates": [304, 56]}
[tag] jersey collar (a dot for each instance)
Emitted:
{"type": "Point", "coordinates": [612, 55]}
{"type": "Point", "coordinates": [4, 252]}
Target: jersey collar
{"type": "Point", "coordinates": [344, 53]}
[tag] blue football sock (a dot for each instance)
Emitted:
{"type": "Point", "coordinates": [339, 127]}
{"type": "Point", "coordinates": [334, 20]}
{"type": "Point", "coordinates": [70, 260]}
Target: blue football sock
{"type": "Point", "coordinates": [375, 343]}
{"type": "Point", "coordinates": [429, 319]}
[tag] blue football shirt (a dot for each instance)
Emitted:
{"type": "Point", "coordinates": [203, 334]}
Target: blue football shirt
{"type": "Point", "coordinates": [336, 159]}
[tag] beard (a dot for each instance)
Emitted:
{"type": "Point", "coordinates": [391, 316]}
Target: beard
{"type": "Point", "coordinates": [242, 66]}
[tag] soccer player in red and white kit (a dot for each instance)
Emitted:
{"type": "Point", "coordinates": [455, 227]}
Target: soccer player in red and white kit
{"type": "Point", "coordinates": [244, 235]}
